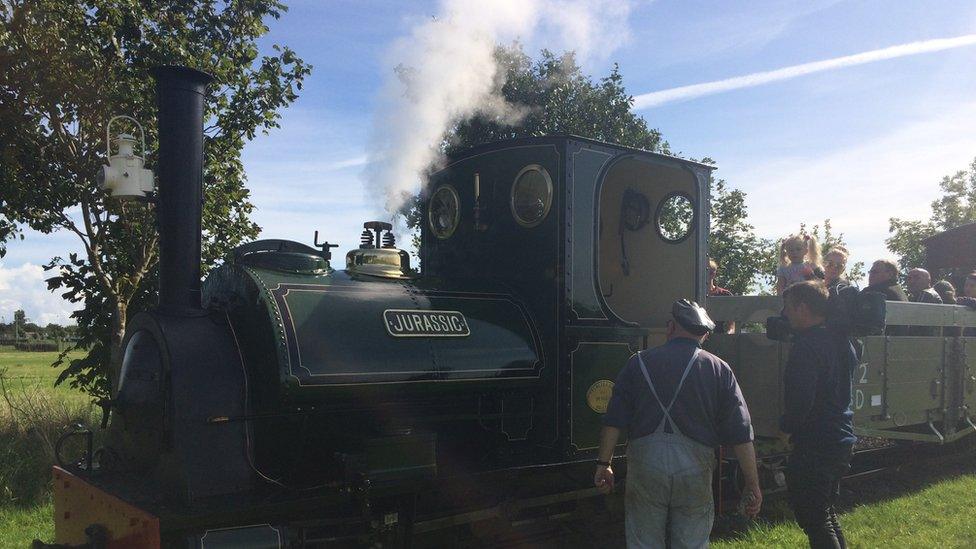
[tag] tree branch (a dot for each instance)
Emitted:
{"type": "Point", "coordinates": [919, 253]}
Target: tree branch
{"type": "Point", "coordinates": [93, 250]}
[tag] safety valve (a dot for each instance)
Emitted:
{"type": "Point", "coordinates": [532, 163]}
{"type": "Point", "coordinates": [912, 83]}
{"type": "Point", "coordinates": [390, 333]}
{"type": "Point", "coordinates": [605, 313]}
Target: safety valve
{"type": "Point", "coordinates": [125, 177]}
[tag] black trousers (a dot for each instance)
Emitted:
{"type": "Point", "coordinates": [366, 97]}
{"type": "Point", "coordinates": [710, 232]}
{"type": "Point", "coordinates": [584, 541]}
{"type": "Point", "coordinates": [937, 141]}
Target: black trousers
{"type": "Point", "coordinates": [813, 484]}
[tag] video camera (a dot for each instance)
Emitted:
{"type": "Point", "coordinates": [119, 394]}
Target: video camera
{"type": "Point", "coordinates": [850, 313]}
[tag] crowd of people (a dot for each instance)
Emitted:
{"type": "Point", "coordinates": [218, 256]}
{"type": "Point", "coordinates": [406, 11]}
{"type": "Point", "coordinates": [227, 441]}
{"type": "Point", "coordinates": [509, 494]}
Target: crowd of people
{"type": "Point", "coordinates": [677, 403]}
{"type": "Point", "coordinates": [800, 260]}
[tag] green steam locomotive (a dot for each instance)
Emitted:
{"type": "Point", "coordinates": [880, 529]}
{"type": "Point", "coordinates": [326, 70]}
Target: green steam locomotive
{"type": "Point", "coordinates": [287, 403]}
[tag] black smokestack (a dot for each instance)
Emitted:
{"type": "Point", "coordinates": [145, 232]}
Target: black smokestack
{"type": "Point", "coordinates": [180, 93]}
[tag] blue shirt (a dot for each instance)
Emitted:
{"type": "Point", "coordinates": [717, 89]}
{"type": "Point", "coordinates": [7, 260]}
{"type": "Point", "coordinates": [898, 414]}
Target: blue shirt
{"type": "Point", "coordinates": [709, 408]}
{"type": "Point", "coordinates": [817, 389]}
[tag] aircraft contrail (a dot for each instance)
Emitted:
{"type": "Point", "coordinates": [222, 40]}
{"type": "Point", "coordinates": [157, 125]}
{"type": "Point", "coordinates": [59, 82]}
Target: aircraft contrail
{"type": "Point", "coordinates": [683, 93]}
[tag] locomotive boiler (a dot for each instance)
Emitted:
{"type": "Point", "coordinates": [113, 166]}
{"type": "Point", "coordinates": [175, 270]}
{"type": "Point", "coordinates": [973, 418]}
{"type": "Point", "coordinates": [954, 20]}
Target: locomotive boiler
{"type": "Point", "coordinates": [288, 401]}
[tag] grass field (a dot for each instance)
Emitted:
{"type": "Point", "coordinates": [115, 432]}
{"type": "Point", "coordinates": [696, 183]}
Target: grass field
{"type": "Point", "coordinates": [940, 515]}
{"type": "Point", "coordinates": [32, 371]}
{"type": "Point", "coordinates": [33, 413]}
{"type": "Point", "coordinates": [931, 510]}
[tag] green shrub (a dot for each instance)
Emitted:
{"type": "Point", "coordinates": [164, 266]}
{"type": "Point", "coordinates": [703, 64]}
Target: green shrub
{"type": "Point", "coordinates": [38, 346]}
{"type": "Point", "coordinates": [31, 421]}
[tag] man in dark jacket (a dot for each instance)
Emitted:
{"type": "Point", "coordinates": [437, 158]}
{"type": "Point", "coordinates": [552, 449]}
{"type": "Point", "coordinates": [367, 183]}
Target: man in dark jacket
{"type": "Point", "coordinates": [817, 413]}
{"type": "Point", "coordinates": [919, 283]}
{"type": "Point", "coordinates": [883, 279]}
{"type": "Point", "coordinates": [920, 290]}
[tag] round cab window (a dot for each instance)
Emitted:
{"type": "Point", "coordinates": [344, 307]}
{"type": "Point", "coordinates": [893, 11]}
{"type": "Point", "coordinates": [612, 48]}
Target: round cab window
{"type": "Point", "coordinates": [531, 195]}
{"type": "Point", "coordinates": [675, 218]}
{"type": "Point", "coordinates": [444, 211]}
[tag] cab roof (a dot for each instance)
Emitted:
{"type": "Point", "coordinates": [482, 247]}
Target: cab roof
{"type": "Point", "coordinates": [521, 141]}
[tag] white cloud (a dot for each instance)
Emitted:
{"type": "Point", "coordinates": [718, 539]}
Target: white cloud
{"type": "Point", "coordinates": [24, 288]}
{"type": "Point", "coordinates": [354, 162]}
{"type": "Point", "coordinates": [859, 188]}
{"type": "Point", "coordinates": [683, 93]}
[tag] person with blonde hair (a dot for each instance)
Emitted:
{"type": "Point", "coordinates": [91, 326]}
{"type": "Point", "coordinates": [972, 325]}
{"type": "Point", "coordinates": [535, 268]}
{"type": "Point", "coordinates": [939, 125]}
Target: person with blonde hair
{"type": "Point", "coordinates": [799, 260]}
{"type": "Point", "coordinates": [834, 265]}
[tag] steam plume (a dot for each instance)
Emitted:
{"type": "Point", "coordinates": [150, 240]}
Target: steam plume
{"type": "Point", "coordinates": [446, 72]}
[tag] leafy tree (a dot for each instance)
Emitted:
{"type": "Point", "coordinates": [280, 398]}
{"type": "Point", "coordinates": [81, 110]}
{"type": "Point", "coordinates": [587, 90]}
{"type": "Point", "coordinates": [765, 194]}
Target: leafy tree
{"type": "Point", "coordinates": [747, 263]}
{"type": "Point", "coordinates": [956, 206]}
{"type": "Point", "coordinates": [67, 67]}
{"type": "Point", "coordinates": [20, 321]}
{"type": "Point", "coordinates": [558, 98]}
{"type": "Point", "coordinates": [7, 229]}
{"type": "Point", "coordinates": [54, 331]}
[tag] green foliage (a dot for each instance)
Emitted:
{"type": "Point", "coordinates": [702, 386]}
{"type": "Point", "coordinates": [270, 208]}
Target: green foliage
{"type": "Point", "coordinates": [557, 97]}
{"type": "Point", "coordinates": [20, 320]}
{"type": "Point", "coordinates": [38, 346]}
{"type": "Point", "coordinates": [676, 216]}
{"type": "Point", "coordinates": [8, 231]}
{"type": "Point", "coordinates": [747, 263]}
{"type": "Point", "coordinates": [68, 68]}
{"type": "Point", "coordinates": [956, 206]}
{"type": "Point", "coordinates": [33, 414]}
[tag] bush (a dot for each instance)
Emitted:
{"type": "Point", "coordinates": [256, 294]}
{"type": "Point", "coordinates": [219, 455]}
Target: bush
{"type": "Point", "coordinates": [31, 421]}
{"type": "Point", "coordinates": [38, 346]}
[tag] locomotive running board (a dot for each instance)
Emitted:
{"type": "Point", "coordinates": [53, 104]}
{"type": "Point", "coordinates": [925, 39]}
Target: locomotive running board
{"type": "Point", "coordinates": [507, 510]}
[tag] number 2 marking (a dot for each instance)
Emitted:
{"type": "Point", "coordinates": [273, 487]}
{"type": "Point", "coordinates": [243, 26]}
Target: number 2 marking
{"type": "Point", "coordinates": [864, 372]}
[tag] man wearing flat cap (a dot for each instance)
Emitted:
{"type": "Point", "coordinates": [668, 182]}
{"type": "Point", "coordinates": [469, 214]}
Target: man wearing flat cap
{"type": "Point", "coordinates": [676, 403]}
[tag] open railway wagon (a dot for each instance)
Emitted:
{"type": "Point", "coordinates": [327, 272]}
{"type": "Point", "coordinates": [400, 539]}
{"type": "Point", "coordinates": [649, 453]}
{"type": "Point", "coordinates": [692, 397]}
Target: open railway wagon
{"type": "Point", "coordinates": [918, 388]}
{"type": "Point", "coordinates": [288, 403]}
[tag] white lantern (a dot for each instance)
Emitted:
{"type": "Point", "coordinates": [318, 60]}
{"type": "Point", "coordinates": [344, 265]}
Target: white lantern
{"type": "Point", "coordinates": [125, 177]}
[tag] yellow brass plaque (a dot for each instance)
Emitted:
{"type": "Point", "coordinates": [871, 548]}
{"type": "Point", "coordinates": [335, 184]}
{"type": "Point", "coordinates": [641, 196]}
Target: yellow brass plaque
{"type": "Point", "coordinates": [598, 395]}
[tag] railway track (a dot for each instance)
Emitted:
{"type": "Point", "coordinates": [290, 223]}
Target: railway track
{"type": "Point", "coordinates": [598, 522]}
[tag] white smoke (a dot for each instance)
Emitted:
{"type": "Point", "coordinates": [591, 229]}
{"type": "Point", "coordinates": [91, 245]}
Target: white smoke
{"type": "Point", "coordinates": [446, 72]}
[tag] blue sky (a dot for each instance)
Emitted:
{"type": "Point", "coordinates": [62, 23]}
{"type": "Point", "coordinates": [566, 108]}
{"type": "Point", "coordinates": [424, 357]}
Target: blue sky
{"type": "Point", "coordinates": [856, 144]}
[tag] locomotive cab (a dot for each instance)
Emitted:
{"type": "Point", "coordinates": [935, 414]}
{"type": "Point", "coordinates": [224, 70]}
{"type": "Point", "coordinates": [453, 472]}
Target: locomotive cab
{"type": "Point", "coordinates": [597, 239]}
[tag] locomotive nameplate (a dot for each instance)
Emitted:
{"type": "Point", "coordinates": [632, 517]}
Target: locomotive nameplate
{"type": "Point", "coordinates": [425, 323]}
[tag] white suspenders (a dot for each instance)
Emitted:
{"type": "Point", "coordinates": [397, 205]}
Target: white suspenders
{"type": "Point", "coordinates": [667, 409]}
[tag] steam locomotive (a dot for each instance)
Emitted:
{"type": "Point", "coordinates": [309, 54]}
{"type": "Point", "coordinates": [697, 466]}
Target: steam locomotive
{"type": "Point", "coordinates": [286, 403]}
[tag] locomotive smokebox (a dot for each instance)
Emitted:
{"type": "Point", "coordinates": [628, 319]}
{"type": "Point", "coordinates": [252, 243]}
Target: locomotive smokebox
{"type": "Point", "coordinates": [180, 95]}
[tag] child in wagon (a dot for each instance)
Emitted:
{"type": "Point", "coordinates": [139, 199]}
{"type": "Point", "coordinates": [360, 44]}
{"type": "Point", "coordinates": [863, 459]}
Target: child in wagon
{"type": "Point", "coordinates": [799, 260]}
